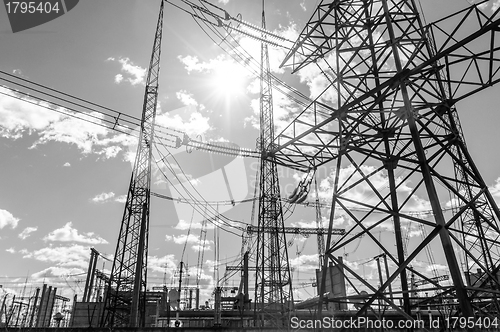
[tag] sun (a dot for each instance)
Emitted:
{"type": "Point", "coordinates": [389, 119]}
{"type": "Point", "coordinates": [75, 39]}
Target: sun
{"type": "Point", "coordinates": [229, 80]}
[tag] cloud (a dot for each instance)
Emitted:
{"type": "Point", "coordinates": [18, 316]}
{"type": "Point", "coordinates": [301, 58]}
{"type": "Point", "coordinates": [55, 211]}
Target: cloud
{"type": "Point", "coordinates": [187, 120]}
{"type": "Point", "coordinates": [27, 232]}
{"type": "Point", "coordinates": [284, 111]}
{"type": "Point", "coordinates": [20, 115]}
{"type": "Point", "coordinates": [64, 256]}
{"type": "Point", "coordinates": [11, 250]}
{"type": "Point", "coordinates": [221, 63]}
{"type": "Point", "coordinates": [191, 63]}
{"type": "Point", "coordinates": [200, 247]}
{"type": "Point", "coordinates": [184, 225]}
{"type": "Point", "coordinates": [415, 233]}
{"type": "Point", "coordinates": [182, 238]}
{"type": "Point", "coordinates": [197, 243]}
{"type": "Point", "coordinates": [17, 116]}
{"type": "Point", "coordinates": [305, 262]}
{"type": "Point", "coordinates": [495, 5]}
{"type": "Point", "coordinates": [118, 78]}
{"type": "Point", "coordinates": [163, 264]}
{"type": "Point", "coordinates": [69, 234]}
{"type": "Point", "coordinates": [186, 98]}
{"type": "Point", "coordinates": [130, 73]}
{"type": "Point", "coordinates": [7, 219]}
{"type": "Point", "coordinates": [318, 78]}
{"type": "Point", "coordinates": [110, 151]}
{"type": "Point", "coordinates": [436, 267]}
{"type": "Point", "coordinates": [361, 191]}
{"type": "Point", "coordinates": [494, 190]}
{"type": "Point", "coordinates": [67, 129]}
{"type": "Point", "coordinates": [103, 197]}
{"type": "Point", "coordinates": [57, 272]}
{"type": "Point", "coordinates": [121, 199]}
{"type": "Point", "coordinates": [67, 164]}
{"type": "Point", "coordinates": [352, 265]}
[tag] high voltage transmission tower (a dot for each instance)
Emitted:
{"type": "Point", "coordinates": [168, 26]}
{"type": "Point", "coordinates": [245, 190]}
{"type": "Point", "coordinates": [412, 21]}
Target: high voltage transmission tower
{"type": "Point", "coordinates": [273, 284]}
{"type": "Point", "coordinates": [125, 300]}
{"type": "Point", "coordinates": [392, 84]}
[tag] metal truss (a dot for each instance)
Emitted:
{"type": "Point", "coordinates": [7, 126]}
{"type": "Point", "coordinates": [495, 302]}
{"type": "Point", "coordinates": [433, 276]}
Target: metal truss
{"type": "Point", "coordinates": [392, 84]}
{"type": "Point", "coordinates": [360, 71]}
{"type": "Point", "coordinates": [273, 283]}
{"type": "Point", "coordinates": [125, 298]}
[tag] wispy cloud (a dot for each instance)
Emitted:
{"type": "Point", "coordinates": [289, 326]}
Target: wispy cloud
{"type": "Point", "coordinates": [27, 232]}
{"type": "Point", "coordinates": [71, 130]}
{"type": "Point", "coordinates": [305, 262]}
{"type": "Point", "coordinates": [162, 264]}
{"type": "Point", "coordinates": [103, 197]}
{"type": "Point", "coordinates": [197, 243]}
{"type": "Point", "coordinates": [69, 234]}
{"type": "Point", "coordinates": [118, 78]}
{"type": "Point", "coordinates": [57, 272]}
{"type": "Point", "coordinates": [187, 98]}
{"type": "Point", "coordinates": [21, 115]}
{"type": "Point", "coordinates": [121, 199]}
{"type": "Point", "coordinates": [18, 117]}
{"type": "Point", "coordinates": [7, 219]}
{"type": "Point", "coordinates": [131, 73]}
{"type": "Point", "coordinates": [184, 225]}
{"type": "Point", "coordinates": [64, 256]}
{"type": "Point", "coordinates": [186, 119]}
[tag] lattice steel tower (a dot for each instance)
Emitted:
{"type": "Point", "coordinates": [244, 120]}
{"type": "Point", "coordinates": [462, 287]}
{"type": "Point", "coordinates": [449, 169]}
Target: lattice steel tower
{"type": "Point", "coordinates": [387, 118]}
{"type": "Point", "coordinates": [125, 296]}
{"type": "Point", "coordinates": [273, 288]}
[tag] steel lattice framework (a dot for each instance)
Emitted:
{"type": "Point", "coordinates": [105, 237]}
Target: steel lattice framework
{"type": "Point", "coordinates": [125, 298]}
{"type": "Point", "coordinates": [390, 85]}
{"type": "Point", "coordinates": [273, 286]}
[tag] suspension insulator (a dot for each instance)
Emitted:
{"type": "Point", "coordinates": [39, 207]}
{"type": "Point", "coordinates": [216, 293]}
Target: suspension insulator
{"type": "Point", "coordinates": [302, 198]}
{"type": "Point", "coordinates": [294, 193]}
{"type": "Point", "coordinates": [297, 193]}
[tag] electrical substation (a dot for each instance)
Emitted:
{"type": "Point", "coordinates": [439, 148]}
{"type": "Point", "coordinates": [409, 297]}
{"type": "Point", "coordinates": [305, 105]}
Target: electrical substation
{"type": "Point", "coordinates": [394, 81]}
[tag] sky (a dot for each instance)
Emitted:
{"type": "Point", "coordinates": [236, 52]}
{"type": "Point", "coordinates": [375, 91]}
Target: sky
{"type": "Point", "coordinates": [64, 181]}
